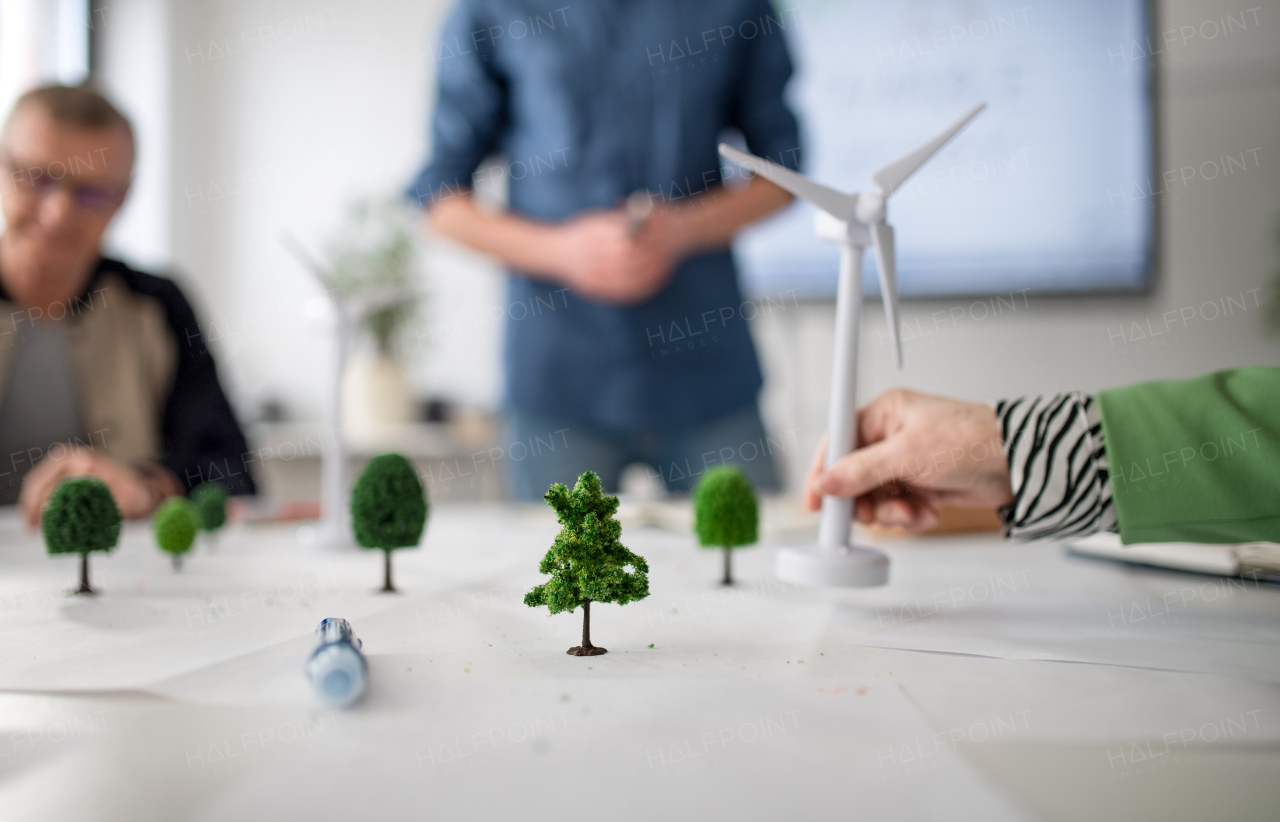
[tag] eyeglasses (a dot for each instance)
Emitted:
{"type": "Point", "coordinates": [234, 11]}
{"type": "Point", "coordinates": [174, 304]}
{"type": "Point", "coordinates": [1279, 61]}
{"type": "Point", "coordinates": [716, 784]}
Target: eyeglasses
{"type": "Point", "coordinates": [37, 181]}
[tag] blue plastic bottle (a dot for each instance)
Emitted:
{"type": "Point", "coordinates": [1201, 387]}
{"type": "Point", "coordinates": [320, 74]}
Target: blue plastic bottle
{"type": "Point", "coordinates": [336, 668]}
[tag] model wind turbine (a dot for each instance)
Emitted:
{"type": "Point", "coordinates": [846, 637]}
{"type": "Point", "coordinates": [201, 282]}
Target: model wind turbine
{"type": "Point", "coordinates": [855, 221]}
{"type": "Point", "coordinates": [335, 531]}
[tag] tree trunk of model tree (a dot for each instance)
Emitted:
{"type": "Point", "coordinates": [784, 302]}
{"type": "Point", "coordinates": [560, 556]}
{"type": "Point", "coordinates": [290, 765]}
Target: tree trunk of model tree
{"type": "Point", "coordinates": [586, 648]}
{"type": "Point", "coordinates": [728, 575]}
{"type": "Point", "coordinates": [84, 574]}
{"type": "Point", "coordinates": [387, 587]}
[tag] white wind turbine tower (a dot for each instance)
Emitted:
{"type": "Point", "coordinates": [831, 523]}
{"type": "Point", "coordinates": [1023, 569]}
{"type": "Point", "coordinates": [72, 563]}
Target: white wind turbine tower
{"type": "Point", "coordinates": [855, 221]}
{"type": "Point", "coordinates": [348, 311]}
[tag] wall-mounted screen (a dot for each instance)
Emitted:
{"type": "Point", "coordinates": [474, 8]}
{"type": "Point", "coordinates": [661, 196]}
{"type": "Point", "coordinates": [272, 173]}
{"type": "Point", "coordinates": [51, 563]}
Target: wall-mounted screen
{"type": "Point", "coordinates": [1051, 189]}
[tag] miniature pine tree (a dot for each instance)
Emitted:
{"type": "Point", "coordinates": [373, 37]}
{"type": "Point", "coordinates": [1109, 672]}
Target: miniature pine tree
{"type": "Point", "coordinates": [587, 563]}
{"type": "Point", "coordinates": [388, 508]}
{"type": "Point", "coordinates": [725, 512]}
{"type": "Point", "coordinates": [210, 501]}
{"type": "Point", "coordinates": [175, 525]}
{"type": "Point", "coordinates": [81, 517]}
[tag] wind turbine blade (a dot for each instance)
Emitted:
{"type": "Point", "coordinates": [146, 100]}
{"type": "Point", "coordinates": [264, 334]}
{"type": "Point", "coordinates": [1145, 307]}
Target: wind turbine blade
{"type": "Point", "coordinates": [882, 242]}
{"type": "Point", "coordinates": [888, 179]}
{"type": "Point", "coordinates": [835, 203]}
{"type": "Point", "coordinates": [304, 257]}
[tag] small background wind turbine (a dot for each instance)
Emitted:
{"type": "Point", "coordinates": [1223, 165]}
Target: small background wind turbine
{"type": "Point", "coordinates": [854, 221]}
{"type": "Point", "coordinates": [349, 311]}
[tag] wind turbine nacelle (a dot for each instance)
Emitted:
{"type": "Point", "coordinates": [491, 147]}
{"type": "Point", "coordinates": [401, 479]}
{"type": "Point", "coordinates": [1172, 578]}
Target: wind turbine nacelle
{"type": "Point", "coordinates": [840, 231]}
{"type": "Point", "coordinates": [870, 208]}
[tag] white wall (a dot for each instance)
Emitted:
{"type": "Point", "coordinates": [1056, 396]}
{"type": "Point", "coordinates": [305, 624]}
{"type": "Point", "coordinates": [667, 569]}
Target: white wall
{"type": "Point", "coordinates": [327, 100]}
{"type": "Point", "coordinates": [136, 75]}
{"type": "Point", "coordinates": [280, 113]}
{"type": "Point", "coordinates": [41, 41]}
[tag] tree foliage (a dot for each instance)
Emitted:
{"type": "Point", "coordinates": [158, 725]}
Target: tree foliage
{"type": "Point", "coordinates": [81, 517]}
{"type": "Point", "coordinates": [175, 524]}
{"type": "Point", "coordinates": [374, 250]}
{"type": "Point", "coordinates": [725, 510]}
{"type": "Point", "coordinates": [210, 501]}
{"type": "Point", "coordinates": [388, 504]}
{"type": "Point", "coordinates": [586, 562]}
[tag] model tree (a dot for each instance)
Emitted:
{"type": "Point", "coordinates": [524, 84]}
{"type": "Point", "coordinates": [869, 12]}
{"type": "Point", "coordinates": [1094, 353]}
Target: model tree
{"type": "Point", "coordinates": [210, 501]}
{"type": "Point", "coordinates": [725, 512]}
{"type": "Point", "coordinates": [388, 508]}
{"type": "Point", "coordinates": [175, 525]}
{"type": "Point", "coordinates": [81, 517]}
{"type": "Point", "coordinates": [587, 563]}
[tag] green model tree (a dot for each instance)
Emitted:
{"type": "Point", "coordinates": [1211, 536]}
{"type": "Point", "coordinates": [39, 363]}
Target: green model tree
{"type": "Point", "coordinates": [388, 508]}
{"type": "Point", "coordinates": [210, 501]}
{"type": "Point", "coordinates": [175, 525]}
{"type": "Point", "coordinates": [587, 563]}
{"type": "Point", "coordinates": [725, 512]}
{"type": "Point", "coordinates": [81, 517]}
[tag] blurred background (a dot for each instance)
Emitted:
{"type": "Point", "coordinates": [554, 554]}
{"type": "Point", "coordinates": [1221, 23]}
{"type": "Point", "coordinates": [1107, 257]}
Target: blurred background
{"type": "Point", "coordinates": [272, 117]}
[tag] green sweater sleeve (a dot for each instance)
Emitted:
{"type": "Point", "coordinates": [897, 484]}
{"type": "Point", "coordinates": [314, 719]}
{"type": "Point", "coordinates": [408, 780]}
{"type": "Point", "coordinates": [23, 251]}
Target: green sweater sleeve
{"type": "Point", "coordinates": [1196, 460]}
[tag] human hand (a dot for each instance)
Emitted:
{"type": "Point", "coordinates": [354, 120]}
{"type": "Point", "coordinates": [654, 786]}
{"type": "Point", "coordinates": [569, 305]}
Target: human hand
{"type": "Point", "coordinates": [135, 494]}
{"type": "Point", "coordinates": [915, 453]}
{"type": "Point", "coordinates": [601, 261]}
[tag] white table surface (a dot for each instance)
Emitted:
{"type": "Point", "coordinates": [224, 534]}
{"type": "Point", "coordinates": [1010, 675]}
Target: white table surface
{"type": "Point", "coordinates": [986, 681]}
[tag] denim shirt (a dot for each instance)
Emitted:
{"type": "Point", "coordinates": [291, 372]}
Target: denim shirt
{"type": "Point", "coordinates": [588, 103]}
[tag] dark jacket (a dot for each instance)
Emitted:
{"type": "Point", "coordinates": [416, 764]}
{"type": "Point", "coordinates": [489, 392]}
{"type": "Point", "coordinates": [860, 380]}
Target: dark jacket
{"type": "Point", "coordinates": [147, 384]}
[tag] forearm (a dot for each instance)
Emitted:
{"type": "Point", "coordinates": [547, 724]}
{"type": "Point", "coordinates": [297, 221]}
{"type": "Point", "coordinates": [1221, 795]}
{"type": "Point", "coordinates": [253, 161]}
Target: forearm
{"type": "Point", "coordinates": [519, 243]}
{"type": "Point", "coordinates": [1196, 460]}
{"type": "Point", "coordinates": [710, 221]}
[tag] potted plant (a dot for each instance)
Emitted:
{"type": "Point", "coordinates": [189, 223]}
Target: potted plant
{"type": "Point", "coordinates": [373, 251]}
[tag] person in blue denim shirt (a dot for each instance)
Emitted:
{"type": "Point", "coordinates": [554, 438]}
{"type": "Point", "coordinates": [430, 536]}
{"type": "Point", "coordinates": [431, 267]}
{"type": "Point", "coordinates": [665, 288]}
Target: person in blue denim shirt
{"type": "Point", "coordinates": [625, 342]}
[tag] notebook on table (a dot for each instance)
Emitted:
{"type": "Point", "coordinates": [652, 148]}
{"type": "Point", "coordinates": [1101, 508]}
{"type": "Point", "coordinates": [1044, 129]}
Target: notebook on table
{"type": "Point", "coordinates": [1255, 560]}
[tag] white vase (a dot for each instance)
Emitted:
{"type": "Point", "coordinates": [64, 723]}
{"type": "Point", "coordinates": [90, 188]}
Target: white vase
{"type": "Point", "coordinates": [375, 397]}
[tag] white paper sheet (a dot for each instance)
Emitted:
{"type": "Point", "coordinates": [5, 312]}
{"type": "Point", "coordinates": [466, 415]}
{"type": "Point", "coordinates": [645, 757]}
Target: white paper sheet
{"type": "Point", "coordinates": [659, 749]}
{"type": "Point", "coordinates": [1045, 604]}
{"type": "Point", "coordinates": [1238, 645]}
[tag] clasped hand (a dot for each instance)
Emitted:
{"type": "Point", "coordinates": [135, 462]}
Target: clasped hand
{"type": "Point", "coordinates": [602, 262]}
{"type": "Point", "coordinates": [130, 490]}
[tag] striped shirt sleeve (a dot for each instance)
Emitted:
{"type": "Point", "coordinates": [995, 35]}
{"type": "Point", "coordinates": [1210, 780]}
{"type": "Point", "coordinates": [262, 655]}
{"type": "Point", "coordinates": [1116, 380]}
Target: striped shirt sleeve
{"type": "Point", "coordinates": [1057, 467]}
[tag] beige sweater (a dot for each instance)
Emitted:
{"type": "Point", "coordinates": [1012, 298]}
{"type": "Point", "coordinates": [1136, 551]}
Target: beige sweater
{"type": "Point", "coordinates": [125, 358]}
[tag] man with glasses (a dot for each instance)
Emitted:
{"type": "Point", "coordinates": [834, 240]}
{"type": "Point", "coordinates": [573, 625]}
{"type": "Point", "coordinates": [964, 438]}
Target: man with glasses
{"type": "Point", "coordinates": [103, 369]}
